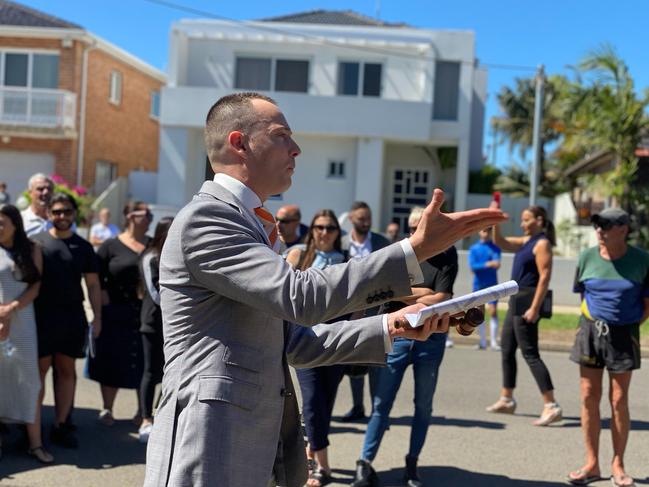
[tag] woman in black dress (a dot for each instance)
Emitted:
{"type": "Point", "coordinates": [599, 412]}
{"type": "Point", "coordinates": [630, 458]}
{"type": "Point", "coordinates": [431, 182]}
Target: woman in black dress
{"type": "Point", "coordinates": [151, 326]}
{"type": "Point", "coordinates": [118, 350]}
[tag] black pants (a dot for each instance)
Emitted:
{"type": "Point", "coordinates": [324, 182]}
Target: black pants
{"type": "Point", "coordinates": [152, 376]}
{"type": "Point", "coordinates": [319, 386]}
{"type": "Point", "coordinates": [518, 333]}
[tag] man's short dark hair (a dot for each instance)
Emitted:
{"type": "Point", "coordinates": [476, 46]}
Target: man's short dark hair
{"type": "Point", "coordinates": [358, 205]}
{"type": "Point", "coordinates": [229, 113]}
{"type": "Point", "coordinates": [63, 198]}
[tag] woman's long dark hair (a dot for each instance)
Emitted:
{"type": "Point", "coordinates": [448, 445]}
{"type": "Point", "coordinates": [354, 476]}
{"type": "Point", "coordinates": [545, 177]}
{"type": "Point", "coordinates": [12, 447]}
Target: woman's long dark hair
{"type": "Point", "coordinates": [307, 257]}
{"type": "Point", "coordinates": [160, 235]}
{"type": "Point", "coordinates": [548, 226]}
{"type": "Point", "coordinates": [22, 248]}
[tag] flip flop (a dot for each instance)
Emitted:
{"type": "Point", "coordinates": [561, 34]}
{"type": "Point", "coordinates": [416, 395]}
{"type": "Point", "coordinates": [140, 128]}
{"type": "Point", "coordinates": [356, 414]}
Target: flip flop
{"type": "Point", "coordinates": [581, 477]}
{"type": "Point", "coordinates": [617, 481]}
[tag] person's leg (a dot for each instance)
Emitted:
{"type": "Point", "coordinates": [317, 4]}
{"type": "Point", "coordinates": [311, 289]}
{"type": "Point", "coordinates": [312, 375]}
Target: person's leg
{"type": "Point", "coordinates": [64, 387]}
{"type": "Point", "coordinates": [147, 384]}
{"type": "Point", "coordinates": [527, 336]}
{"type": "Point", "coordinates": [388, 382]}
{"type": "Point", "coordinates": [590, 385]}
{"type": "Point", "coordinates": [357, 385]}
{"type": "Point", "coordinates": [492, 311]}
{"type": "Point", "coordinates": [34, 432]}
{"type": "Point", "coordinates": [620, 419]}
{"type": "Point", "coordinates": [427, 356]}
{"type": "Point", "coordinates": [506, 403]}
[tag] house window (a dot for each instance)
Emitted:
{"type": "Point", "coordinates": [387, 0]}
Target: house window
{"type": "Point", "coordinates": [447, 90]}
{"type": "Point", "coordinates": [115, 95]}
{"type": "Point", "coordinates": [355, 78]}
{"type": "Point", "coordinates": [336, 170]}
{"type": "Point", "coordinates": [105, 173]}
{"type": "Point", "coordinates": [30, 70]}
{"type": "Point", "coordinates": [271, 74]}
{"type": "Point", "coordinates": [155, 104]}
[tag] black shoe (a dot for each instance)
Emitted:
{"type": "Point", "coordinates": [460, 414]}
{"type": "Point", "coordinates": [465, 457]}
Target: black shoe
{"type": "Point", "coordinates": [63, 436]}
{"type": "Point", "coordinates": [410, 476]}
{"type": "Point", "coordinates": [357, 413]}
{"type": "Point", "coordinates": [365, 475]}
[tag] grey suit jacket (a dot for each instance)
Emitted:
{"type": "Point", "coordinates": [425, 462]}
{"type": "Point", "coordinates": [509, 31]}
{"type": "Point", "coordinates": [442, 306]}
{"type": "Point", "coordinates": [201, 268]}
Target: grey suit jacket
{"type": "Point", "coordinates": [228, 416]}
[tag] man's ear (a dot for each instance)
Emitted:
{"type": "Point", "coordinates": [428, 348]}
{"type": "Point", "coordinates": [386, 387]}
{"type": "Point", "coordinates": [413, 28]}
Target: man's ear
{"type": "Point", "coordinates": [236, 141]}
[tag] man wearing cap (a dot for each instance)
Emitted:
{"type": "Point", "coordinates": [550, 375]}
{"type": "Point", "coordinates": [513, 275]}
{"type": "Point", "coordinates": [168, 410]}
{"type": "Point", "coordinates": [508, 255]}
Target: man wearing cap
{"type": "Point", "coordinates": [613, 279]}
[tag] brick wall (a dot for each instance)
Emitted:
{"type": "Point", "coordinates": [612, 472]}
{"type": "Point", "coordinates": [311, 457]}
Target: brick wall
{"type": "Point", "coordinates": [124, 134]}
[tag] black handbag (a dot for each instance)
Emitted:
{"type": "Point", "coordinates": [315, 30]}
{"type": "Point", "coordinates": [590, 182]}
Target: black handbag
{"type": "Point", "coordinates": [522, 301]}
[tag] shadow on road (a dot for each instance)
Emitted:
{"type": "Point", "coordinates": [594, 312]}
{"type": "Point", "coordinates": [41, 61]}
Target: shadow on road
{"type": "Point", "coordinates": [449, 476]}
{"type": "Point", "coordinates": [100, 447]}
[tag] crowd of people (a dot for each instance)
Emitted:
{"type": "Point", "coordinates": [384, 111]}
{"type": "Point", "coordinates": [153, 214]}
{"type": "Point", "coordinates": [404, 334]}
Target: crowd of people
{"type": "Point", "coordinates": [357, 284]}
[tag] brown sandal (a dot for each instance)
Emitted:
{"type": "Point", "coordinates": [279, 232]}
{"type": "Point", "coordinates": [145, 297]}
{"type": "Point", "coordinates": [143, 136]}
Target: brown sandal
{"type": "Point", "coordinates": [40, 454]}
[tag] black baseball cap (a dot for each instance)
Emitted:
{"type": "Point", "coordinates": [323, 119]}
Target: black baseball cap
{"type": "Point", "coordinates": [611, 216]}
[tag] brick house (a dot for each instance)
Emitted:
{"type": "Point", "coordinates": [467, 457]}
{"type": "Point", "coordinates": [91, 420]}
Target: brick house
{"type": "Point", "coordinates": [72, 103]}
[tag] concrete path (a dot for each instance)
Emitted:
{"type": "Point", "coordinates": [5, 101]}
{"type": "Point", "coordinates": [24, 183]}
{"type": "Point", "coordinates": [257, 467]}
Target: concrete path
{"type": "Point", "coordinates": [466, 446]}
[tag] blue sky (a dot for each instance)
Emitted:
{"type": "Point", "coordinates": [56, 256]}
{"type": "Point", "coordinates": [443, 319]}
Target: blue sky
{"type": "Point", "coordinates": [555, 33]}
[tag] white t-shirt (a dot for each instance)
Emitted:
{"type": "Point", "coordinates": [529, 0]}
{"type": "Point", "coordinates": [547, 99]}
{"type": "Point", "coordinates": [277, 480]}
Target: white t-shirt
{"type": "Point", "coordinates": [358, 250]}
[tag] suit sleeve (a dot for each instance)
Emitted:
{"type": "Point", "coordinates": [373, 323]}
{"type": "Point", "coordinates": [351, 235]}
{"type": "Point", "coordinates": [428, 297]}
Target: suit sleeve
{"type": "Point", "coordinates": [223, 253]}
{"type": "Point", "coordinates": [343, 342]}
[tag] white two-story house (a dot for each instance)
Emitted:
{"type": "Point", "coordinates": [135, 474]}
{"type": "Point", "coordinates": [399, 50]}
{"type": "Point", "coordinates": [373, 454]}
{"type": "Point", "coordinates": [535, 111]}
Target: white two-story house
{"type": "Point", "coordinates": [382, 112]}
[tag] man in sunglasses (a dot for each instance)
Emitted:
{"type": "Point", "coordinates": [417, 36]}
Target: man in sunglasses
{"type": "Point", "coordinates": [613, 280]}
{"type": "Point", "coordinates": [291, 230]}
{"type": "Point", "coordinates": [60, 315]}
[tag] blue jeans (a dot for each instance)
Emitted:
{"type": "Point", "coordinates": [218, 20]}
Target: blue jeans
{"type": "Point", "coordinates": [425, 358]}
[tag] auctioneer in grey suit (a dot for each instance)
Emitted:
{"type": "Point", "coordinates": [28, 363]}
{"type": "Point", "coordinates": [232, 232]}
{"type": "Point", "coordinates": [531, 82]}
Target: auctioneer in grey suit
{"type": "Point", "coordinates": [228, 410]}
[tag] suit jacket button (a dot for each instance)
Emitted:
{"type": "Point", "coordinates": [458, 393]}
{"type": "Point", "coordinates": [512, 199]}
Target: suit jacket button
{"type": "Point", "coordinates": [390, 294]}
{"type": "Point", "coordinates": [369, 300]}
{"type": "Point", "coordinates": [285, 392]}
{"type": "Point", "coordinates": [383, 295]}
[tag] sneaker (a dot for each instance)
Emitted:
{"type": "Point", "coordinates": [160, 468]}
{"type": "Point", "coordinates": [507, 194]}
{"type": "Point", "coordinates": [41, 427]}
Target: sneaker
{"type": "Point", "coordinates": [63, 436]}
{"type": "Point", "coordinates": [144, 432]}
{"type": "Point", "coordinates": [480, 347]}
{"type": "Point", "coordinates": [449, 343]}
{"type": "Point", "coordinates": [504, 405]}
{"type": "Point", "coordinates": [106, 417]}
{"type": "Point", "coordinates": [356, 413]}
{"type": "Point", "coordinates": [495, 348]}
{"type": "Point", "coordinates": [552, 413]}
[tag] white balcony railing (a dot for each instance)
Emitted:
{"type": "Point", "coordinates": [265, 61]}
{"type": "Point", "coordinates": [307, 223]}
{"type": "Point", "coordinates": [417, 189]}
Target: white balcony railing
{"type": "Point", "coordinates": [32, 107]}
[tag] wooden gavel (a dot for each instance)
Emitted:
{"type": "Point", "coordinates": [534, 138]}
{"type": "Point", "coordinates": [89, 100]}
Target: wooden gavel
{"type": "Point", "coordinates": [464, 322]}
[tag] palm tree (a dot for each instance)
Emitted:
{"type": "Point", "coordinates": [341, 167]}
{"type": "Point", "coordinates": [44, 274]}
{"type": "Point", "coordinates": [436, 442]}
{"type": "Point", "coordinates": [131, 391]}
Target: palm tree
{"type": "Point", "coordinates": [517, 123]}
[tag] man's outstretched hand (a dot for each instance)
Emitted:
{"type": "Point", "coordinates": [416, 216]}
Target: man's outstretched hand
{"type": "Point", "coordinates": [437, 231]}
{"type": "Point", "coordinates": [398, 325]}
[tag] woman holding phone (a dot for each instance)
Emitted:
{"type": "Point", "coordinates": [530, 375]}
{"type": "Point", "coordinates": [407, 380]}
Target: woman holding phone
{"type": "Point", "coordinates": [531, 269]}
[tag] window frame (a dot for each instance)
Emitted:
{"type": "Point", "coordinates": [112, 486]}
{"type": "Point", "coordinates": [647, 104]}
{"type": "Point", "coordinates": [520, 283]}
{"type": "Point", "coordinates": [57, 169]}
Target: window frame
{"type": "Point", "coordinates": [115, 90]}
{"type": "Point", "coordinates": [30, 65]}
{"type": "Point", "coordinates": [339, 167]}
{"type": "Point", "coordinates": [273, 70]}
{"type": "Point", "coordinates": [154, 94]}
{"type": "Point", "coordinates": [361, 77]}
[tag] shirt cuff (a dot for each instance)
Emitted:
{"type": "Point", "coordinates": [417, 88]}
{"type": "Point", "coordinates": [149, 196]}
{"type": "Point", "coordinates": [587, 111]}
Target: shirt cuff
{"type": "Point", "coordinates": [412, 264]}
{"type": "Point", "coordinates": [387, 341]}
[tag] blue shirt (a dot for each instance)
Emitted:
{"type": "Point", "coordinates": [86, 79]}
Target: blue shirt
{"type": "Point", "coordinates": [479, 254]}
{"type": "Point", "coordinates": [524, 269]}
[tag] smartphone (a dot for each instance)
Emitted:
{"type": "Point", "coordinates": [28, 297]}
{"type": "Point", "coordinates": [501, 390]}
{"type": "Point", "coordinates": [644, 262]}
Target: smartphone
{"type": "Point", "coordinates": [497, 197]}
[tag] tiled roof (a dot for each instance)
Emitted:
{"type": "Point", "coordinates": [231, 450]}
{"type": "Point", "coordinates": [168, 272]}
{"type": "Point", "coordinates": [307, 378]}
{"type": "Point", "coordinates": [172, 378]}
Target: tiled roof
{"type": "Point", "coordinates": [332, 17]}
{"type": "Point", "coordinates": [12, 13]}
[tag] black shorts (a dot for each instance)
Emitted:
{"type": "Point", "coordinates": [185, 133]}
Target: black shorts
{"type": "Point", "coordinates": [600, 345]}
{"type": "Point", "coordinates": [61, 331]}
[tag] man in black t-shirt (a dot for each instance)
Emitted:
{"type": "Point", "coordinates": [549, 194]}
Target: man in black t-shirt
{"type": "Point", "coordinates": [60, 316]}
{"type": "Point", "coordinates": [426, 356]}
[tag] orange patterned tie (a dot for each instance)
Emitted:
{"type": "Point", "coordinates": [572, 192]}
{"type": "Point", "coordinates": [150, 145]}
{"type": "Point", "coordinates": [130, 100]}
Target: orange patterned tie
{"type": "Point", "coordinates": [268, 221]}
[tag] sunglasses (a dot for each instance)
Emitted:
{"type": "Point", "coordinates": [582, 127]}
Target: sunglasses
{"type": "Point", "coordinates": [141, 213]}
{"type": "Point", "coordinates": [604, 225]}
{"type": "Point", "coordinates": [285, 221]}
{"type": "Point", "coordinates": [322, 228]}
{"type": "Point", "coordinates": [66, 212]}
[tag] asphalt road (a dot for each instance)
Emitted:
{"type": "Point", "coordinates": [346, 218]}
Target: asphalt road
{"type": "Point", "coordinates": [465, 447]}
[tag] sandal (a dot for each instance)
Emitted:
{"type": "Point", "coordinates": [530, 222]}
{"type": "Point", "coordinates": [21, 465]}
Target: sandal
{"type": "Point", "coordinates": [582, 477]}
{"type": "Point", "coordinates": [40, 454]}
{"type": "Point", "coordinates": [622, 481]}
{"type": "Point", "coordinates": [322, 477]}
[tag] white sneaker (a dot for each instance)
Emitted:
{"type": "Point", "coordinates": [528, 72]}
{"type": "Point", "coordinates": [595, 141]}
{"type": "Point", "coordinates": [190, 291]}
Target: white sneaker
{"type": "Point", "coordinates": [144, 432]}
{"type": "Point", "coordinates": [449, 343]}
{"type": "Point", "coordinates": [495, 348]}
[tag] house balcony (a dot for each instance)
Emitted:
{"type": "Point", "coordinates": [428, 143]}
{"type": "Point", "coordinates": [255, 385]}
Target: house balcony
{"type": "Point", "coordinates": [340, 116]}
{"type": "Point", "coordinates": [31, 110]}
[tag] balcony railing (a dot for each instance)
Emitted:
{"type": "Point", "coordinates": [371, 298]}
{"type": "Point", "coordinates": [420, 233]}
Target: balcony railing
{"type": "Point", "coordinates": [32, 107]}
